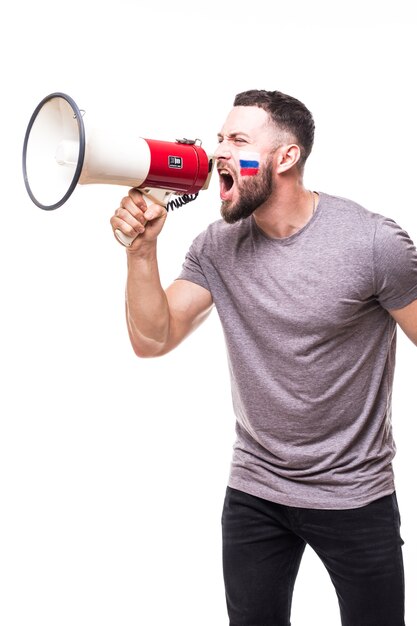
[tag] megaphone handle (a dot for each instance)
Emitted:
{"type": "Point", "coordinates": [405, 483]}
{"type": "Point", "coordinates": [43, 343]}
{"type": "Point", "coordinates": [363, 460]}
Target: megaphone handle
{"type": "Point", "coordinates": [151, 196]}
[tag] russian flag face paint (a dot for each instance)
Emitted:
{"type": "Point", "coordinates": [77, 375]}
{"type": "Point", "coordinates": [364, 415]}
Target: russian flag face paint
{"type": "Point", "coordinates": [249, 163]}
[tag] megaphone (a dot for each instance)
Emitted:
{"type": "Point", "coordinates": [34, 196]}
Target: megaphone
{"type": "Point", "coordinates": [59, 153]}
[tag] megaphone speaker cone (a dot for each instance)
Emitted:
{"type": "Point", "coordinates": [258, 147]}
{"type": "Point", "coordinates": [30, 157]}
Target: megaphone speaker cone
{"type": "Point", "coordinates": [53, 151]}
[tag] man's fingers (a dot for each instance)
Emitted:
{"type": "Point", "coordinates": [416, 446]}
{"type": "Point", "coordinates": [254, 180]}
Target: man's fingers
{"type": "Point", "coordinates": [154, 212]}
{"type": "Point", "coordinates": [134, 217]}
{"type": "Point", "coordinates": [136, 208]}
{"type": "Point", "coordinates": [136, 205]}
{"type": "Point", "coordinates": [131, 218]}
{"type": "Point", "coordinates": [127, 229]}
{"type": "Point", "coordinates": [137, 198]}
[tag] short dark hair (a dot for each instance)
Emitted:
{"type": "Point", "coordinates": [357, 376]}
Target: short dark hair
{"type": "Point", "coordinates": [288, 114]}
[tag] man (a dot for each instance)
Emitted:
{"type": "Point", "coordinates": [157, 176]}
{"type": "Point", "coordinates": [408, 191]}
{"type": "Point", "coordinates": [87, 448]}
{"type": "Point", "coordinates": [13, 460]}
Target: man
{"type": "Point", "coordinates": [309, 288]}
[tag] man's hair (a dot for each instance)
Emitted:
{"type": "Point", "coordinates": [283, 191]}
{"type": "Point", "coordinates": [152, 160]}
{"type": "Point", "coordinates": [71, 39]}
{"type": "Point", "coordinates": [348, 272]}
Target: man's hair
{"type": "Point", "coordinates": [288, 114]}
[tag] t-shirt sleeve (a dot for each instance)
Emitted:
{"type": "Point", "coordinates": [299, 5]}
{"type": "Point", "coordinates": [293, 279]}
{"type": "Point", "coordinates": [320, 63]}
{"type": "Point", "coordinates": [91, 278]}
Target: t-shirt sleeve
{"type": "Point", "coordinates": [395, 266]}
{"type": "Point", "coordinates": [192, 268]}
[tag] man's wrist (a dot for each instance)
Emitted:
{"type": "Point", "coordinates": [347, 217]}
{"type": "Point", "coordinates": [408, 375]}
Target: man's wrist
{"type": "Point", "coordinates": [146, 251]}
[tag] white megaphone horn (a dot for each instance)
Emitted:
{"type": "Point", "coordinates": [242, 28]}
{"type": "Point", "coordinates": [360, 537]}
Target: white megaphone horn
{"type": "Point", "coordinates": [59, 153]}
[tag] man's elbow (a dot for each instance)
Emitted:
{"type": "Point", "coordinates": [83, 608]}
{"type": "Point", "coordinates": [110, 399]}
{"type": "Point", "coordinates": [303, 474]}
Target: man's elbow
{"type": "Point", "coordinates": [146, 347]}
{"type": "Point", "coordinates": [149, 349]}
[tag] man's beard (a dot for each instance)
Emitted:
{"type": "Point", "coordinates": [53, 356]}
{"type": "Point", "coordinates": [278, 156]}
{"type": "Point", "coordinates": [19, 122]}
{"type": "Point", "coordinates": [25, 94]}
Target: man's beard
{"type": "Point", "coordinates": [253, 191]}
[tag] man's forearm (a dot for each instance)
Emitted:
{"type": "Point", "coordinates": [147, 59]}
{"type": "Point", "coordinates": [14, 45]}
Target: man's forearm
{"type": "Point", "coordinates": [147, 311]}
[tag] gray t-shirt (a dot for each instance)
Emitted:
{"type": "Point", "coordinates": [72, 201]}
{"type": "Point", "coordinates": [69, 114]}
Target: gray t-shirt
{"type": "Point", "coordinates": [311, 350]}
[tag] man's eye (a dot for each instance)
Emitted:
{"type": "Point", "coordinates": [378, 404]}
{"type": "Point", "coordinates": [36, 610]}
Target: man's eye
{"type": "Point", "coordinates": [239, 140]}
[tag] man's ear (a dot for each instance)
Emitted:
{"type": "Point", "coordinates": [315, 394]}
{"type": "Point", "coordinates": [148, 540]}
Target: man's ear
{"type": "Point", "coordinates": [287, 156]}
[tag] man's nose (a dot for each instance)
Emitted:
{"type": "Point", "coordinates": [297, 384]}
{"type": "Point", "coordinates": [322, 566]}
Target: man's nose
{"type": "Point", "coordinates": [222, 151]}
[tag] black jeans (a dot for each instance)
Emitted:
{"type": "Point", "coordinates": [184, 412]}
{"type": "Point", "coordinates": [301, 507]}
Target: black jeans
{"type": "Point", "coordinates": [263, 543]}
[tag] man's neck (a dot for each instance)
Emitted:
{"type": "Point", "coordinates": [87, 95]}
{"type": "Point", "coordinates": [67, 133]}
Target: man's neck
{"type": "Point", "coordinates": [286, 212]}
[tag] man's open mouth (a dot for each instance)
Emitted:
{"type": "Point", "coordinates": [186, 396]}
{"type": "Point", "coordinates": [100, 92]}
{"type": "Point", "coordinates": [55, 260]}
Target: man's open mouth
{"type": "Point", "coordinates": [226, 184]}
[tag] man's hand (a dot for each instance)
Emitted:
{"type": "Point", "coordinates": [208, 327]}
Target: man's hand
{"type": "Point", "coordinates": [135, 219]}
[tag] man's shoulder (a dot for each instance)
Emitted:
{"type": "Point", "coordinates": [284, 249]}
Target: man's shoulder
{"type": "Point", "coordinates": [350, 216]}
{"type": "Point", "coordinates": [347, 205]}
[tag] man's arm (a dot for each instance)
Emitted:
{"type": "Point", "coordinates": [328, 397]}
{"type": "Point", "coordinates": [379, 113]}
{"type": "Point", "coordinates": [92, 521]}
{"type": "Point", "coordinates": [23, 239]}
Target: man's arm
{"type": "Point", "coordinates": [407, 320]}
{"type": "Point", "coordinates": [157, 320]}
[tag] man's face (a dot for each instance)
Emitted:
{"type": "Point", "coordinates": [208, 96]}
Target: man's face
{"type": "Point", "coordinates": [245, 162]}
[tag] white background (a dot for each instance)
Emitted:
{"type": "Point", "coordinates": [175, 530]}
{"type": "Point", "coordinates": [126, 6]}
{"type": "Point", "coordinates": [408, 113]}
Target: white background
{"type": "Point", "coordinates": [113, 469]}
